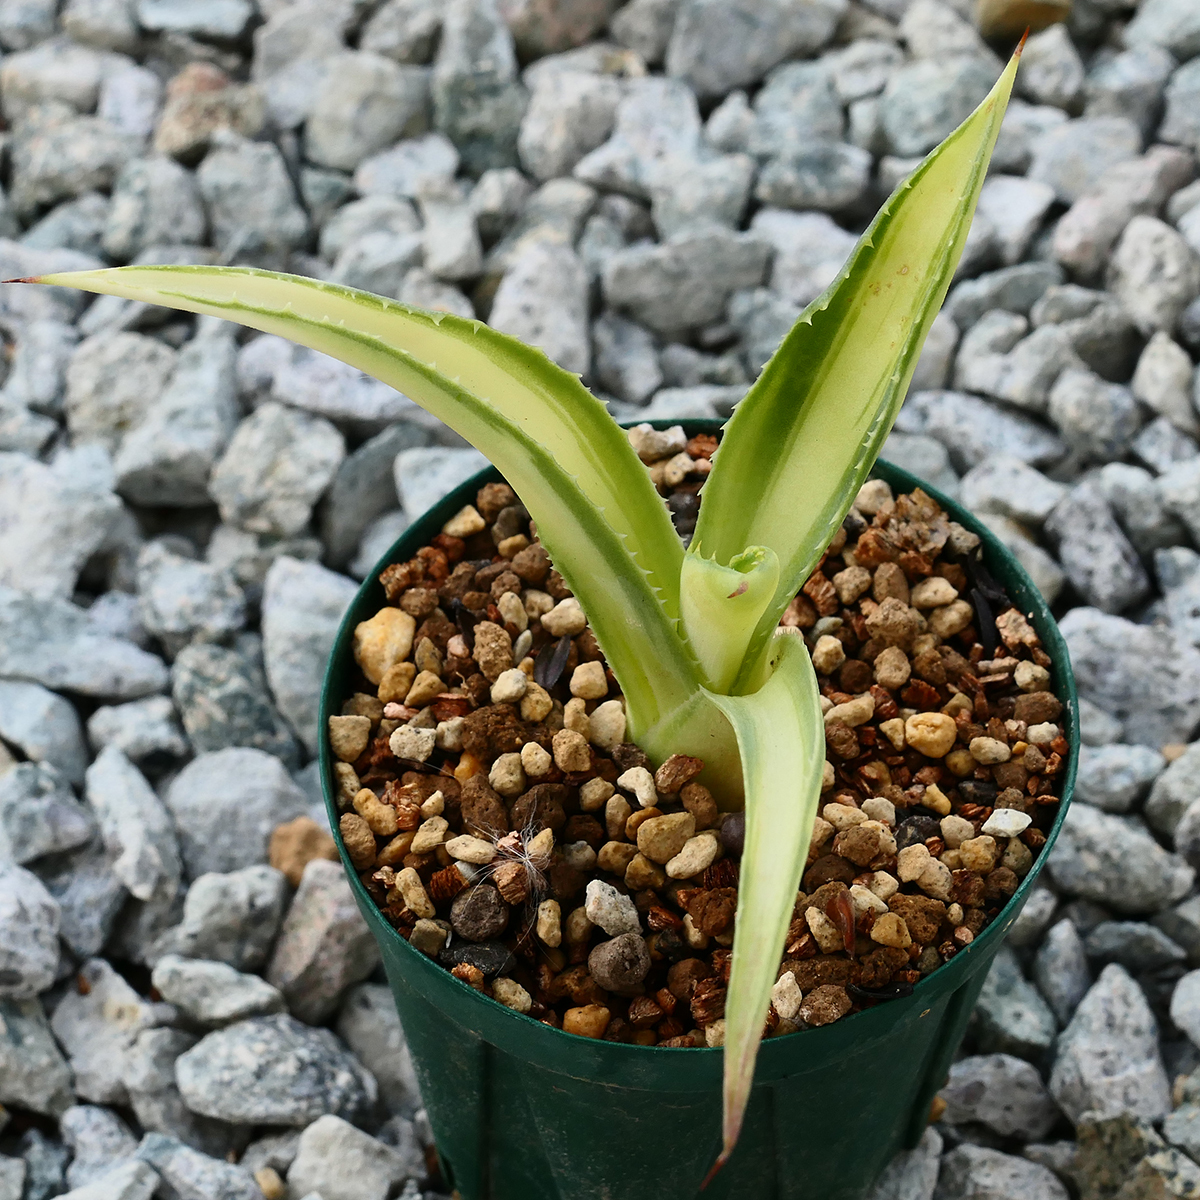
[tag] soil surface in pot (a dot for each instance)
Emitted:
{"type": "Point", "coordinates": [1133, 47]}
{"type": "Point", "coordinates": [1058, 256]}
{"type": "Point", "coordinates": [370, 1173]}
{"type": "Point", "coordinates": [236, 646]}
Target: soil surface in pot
{"type": "Point", "coordinates": [506, 828]}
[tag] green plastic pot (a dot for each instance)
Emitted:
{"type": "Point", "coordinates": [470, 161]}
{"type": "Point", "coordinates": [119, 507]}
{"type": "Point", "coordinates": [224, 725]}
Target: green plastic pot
{"type": "Point", "coordinates": [522, 1111]}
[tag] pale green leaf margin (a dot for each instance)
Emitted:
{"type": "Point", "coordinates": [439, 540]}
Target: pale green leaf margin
{"type": "Point", "coordinates": [591, 497]}
{"type": "Point", "coordinates": [781, 735]}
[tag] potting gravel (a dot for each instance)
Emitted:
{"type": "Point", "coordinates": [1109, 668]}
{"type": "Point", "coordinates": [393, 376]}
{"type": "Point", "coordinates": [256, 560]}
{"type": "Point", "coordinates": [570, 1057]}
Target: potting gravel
{"type": "Point", "coordinates": [650, 191]}
{"type": "Point", "coordinates": [506, 827]}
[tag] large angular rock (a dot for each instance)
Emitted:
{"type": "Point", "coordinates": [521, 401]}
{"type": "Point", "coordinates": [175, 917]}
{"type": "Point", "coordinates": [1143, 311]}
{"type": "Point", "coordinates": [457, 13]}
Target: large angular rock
{"type": "Point", "coordinates": [97, 1027]}
{"type": "Point", "coordinates": [230, 918]}
{"type": "Point", "coordinates": [1074, 157]}
{"type": "Point", "coordinates": [423, 477]}
{"type": "Point", "coordinates": [184, 600]}
{"type": "Point", "coordinates": [112, 382]}
{"type": "Point", "coordinates": [977, 1173]}
{"type": "Point", "coordinates": [39, 814]}
{"type": "Point", "coordinates": [1098, 558]}
{"type": "Point", "coordinates": [810, 250]}
{"type": "Point", "coordinates": [97, 1138]}
{"type": "Point", "coordinates": [1108, 1061]}
{"type": "Point", "coordinates": [129, 1179]}
{"type": "Point", "coordinates": [685, 282]}
{"type": "Point", "coordinates": [303, 604]}
{"type": "Point", "coordinates": [1146, 677]}
{"type": "Point", "coordinates": [168, 458]}
{"type": "Point", "coordinates": [1003, 1093]}
{"type": "Point", "coordinates": [717, 46]}
{"type": "Point", "coordinates": [331, 1150]}
{"type": "Point", "coordinates": [1115, 777]}
{"type": "Point", "coordinates": [149, 1078]}
{"type": "Point", "coordinates": [89, 896]}
{"type": "Point", "coordinates": [543, 300]}
{"type": "Point", "coordinates": [1173, 25]}
{"type": "Point", "coordinates": [33, 1073]}
{"type": "Point", "coordinates": [135, 826]}
{"type": "Point", "coordinates": [363, 489]}
{"type": "Point", "coordinates": [1181, 122]}
{"type": "Point", "coordinates": [155, 202]}
{"type": "Point", "coordinates": [570, 113]}
{"type": "Point", "coordinates": [213, 993]}
{"type": "Point", "coordinates": [369, 1025]}
{"type": "Point", "coordinates": [50, 525]}
{"type": "Point", "coordinates": [974, 431]}
{"type": "Point", "coordinates": [146, 731]}
{"type": "Point", "coordinates": [1174, 792]}
{"type": "Point", "coordinates": [274, 469]}
{"type": "Point", "coordinates": [1154, 273]}
{"type": "Point", "coordinates": [252, 206]}
{"type": "Point", "coordinates": [478, 101]}
{"type": "Point", "coordinates": [912, 1174]}
{"type": "Point", "coordinates": [302, 378]}
{"type": "Point", "coordinates": [1010, 1016]}
{"type": "Point", "coordinates": [189, 1172]}
{"type": "Point", "coordinates": [44, 727]}
{"type": "Point", "coordinates": [1114, 861]}
{"type": "Point", "coordinates": [57, 155]}
{"type": "Point", "coordinates": [273, 1071]}
{"type": "Point", "coordinates": [363, 104]}
{"type": "Point", "coordinates": [39, 367]}
{"type": "Point", "coordinates": [324, 945]}
{"type": "Point", "coordinates": [52, 642]}
{"type": "Point", "coordinates": [223, 700]}
{"type": "Point", "coordinates": [226, 805]}
{"type": "Point", "coordinates": [926, 100]}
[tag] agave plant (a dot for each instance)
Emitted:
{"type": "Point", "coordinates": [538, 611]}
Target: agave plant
{"type": "Point", "coordinates": [689, 635]}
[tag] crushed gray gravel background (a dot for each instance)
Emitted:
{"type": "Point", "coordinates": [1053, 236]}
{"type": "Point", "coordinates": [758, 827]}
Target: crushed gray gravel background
{"type": "Point", "coordinates": [651, 192]}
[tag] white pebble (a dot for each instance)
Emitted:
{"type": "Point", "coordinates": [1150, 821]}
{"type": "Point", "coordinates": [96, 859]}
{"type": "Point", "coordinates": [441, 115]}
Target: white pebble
{"type": "Point", "coordinates": [510, 686]}
{"type": "Point", "coordinates": [513, 611]}
{"type": "Point", "coordinates": [611, 910]}
{"type": "Point", "coordinates": [698, 853]}
{"type": "Point", "coordinates": [640, 782]}
{"type": "Point", "coordinates": [464, 523]}
{"type": "Point", "coordinates": [448, 735]}
{"type": "Point", "coordinates": [865, 900]}
{"type": "Point", "coordinates": [410, 743]}
{"type": "Point", "coordinates": [956, 830]}
{"type": "Point", "coordinates": [878, 808]}
{"type": "Point", "coordinates": [828, 935]}
{"type": "Point", "coordinates": [912, 861]}
{"type": "Point", "coordinates": [1043, 734]}
{"type": "Point", "coordinates": [1007, 822]}
{"type": "Point", "coordinates": [588, 681]}
{"type": "Point", "coordinates": [606, 725]}
{"type": "Point", "coordinates": [872, 496]}
{"type": "Point", "coordinates": [512, 995]}
{"type": "Point", "coordinates": [535, 760]}
{"type": "Point", "coordinates": [507, 776]}
{"type": "Point", "coordinates": [843, 816]}
{"type": "Point", "coordinates": [471, 849]}
{"type": "Point", "coordinates": [1029, 677]}
{"type": "Point", "coordinates": [565, 619]}
{"type": "Point", "coordinates": [786, 995]}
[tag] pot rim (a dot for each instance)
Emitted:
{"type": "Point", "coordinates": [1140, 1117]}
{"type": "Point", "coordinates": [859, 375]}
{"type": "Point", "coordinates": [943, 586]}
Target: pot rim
{"type": "Point", "coordinates": [599, 1059]}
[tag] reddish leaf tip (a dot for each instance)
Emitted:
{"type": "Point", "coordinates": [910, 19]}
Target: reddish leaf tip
{"type": "Point", "coordinates": [722, 1159]}
{"type": "Point", "coordinates": [1021, 43]}
{"type": "Point", "coordinates": [27, 279]}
